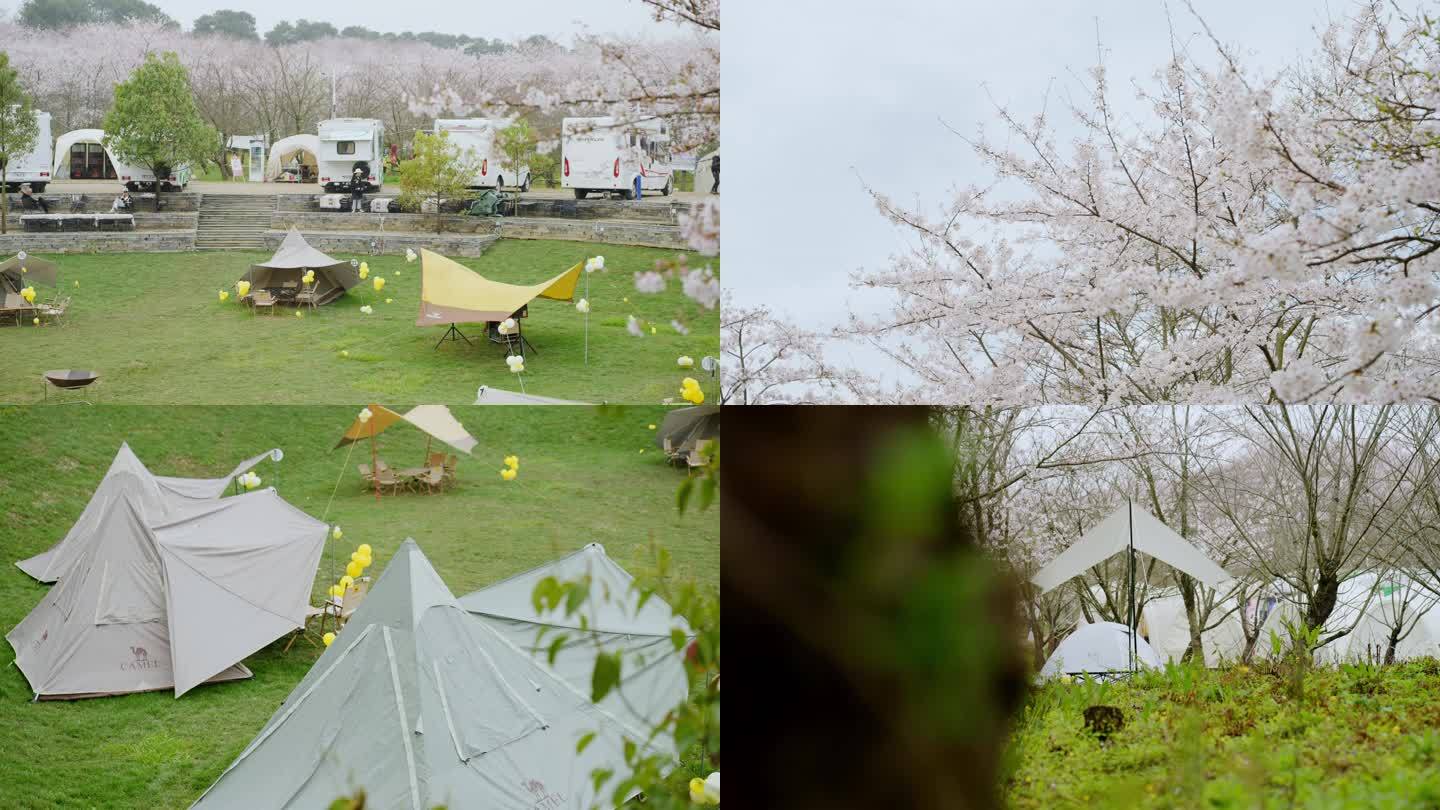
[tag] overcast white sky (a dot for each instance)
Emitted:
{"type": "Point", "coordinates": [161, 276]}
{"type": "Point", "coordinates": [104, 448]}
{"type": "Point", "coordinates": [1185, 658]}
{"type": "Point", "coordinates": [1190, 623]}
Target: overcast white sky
{"type": "Point", "coordinates": [815, 94]}
{"type": "Point", "coordinates": [558, 19]}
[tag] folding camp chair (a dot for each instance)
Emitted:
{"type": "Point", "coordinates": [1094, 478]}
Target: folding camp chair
{"type": "Point", "coordinates": [262, 299]}
{"type": "Point", "coordinates": [449, 470]}
{"type": "Point", "coordinates": [696, 457]}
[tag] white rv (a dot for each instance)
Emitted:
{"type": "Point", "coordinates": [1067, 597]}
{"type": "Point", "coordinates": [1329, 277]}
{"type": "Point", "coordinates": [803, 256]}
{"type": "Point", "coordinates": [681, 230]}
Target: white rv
{"type": "Point", "coordinates": [347, 144]}
{"type": "Point", "coordinates": [602, 156]}
{"type": "Point", "coordinates": [81, 155]}
{"type": "Point", "coordinates": [34, 167]}
{"type": "Point", "coordinates": [476, 136]}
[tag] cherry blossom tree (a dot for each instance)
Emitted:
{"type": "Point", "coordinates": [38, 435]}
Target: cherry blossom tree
{"type": "Point", "coordinates": [1261, 237]}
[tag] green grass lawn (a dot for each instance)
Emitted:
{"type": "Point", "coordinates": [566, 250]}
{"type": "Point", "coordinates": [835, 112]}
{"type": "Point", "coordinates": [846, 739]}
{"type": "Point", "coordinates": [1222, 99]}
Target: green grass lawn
{"type": "Point", "coordinates": [583, 478]}
{"type": "Point", "coordinates": [153, 326]}
{"type": "Point", "coordinates": [1266, 737]}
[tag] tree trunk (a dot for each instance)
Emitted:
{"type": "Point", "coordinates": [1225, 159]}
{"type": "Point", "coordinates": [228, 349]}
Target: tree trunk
{"type": "Point", "coordinates": [5, 204]}
{"type": "Point", "coordinates": [1327, 588]}
{"type": "Point", "coordinates": [1195, 650]}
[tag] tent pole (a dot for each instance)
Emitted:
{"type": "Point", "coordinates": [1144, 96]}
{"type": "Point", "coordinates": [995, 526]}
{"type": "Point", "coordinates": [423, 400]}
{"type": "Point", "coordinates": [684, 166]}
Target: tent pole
{"type": "Point", "coordinates": [374, 473]}
{"type": "Point", "coordinates": [1130, 513]}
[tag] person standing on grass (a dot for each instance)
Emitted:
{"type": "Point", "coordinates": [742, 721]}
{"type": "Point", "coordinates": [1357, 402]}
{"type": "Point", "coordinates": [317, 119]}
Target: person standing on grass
{"type": "Point", "coordinates": [715, 173]}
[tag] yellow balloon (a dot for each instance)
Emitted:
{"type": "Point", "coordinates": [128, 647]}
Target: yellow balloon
{"type": "Point", "coordinates": [379, 283]}
{"type": "Point", "coordinates": [328, 637]}
{"type": "Point", "coordinates": [346, 581]}
{"type": "Point", "coordinates": [354, 569]}
{"type": "Point", "coordinates": [365, 549]}
{"type": "Point", "coordinates": [508, 473]}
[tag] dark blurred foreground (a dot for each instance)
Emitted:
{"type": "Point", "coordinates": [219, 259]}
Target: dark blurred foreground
{"type": "Point", "coordinates": [877, 661]}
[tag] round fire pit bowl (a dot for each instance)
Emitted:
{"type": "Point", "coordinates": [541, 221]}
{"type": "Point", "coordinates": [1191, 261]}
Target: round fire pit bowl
{"type": "Point", "coordinates": [70, 379]}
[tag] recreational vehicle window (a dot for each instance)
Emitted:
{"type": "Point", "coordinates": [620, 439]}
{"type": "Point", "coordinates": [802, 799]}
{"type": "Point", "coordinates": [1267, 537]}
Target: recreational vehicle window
{"type": "Point", "coordinates": [345, 148]}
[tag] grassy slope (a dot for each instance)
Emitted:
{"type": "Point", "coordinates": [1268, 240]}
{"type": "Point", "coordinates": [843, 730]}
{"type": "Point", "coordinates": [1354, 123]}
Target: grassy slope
{"type": "Point", "coordinates": [582, 478]}
{"type": "Point", "coordinates": [1238, 738]}
{"type": "Point", "coordinates": [154, 328]}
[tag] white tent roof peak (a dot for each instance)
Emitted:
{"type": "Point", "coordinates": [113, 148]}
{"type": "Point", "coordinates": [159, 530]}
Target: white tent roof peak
{"type": "Point", "coordinates": [1114, 534]}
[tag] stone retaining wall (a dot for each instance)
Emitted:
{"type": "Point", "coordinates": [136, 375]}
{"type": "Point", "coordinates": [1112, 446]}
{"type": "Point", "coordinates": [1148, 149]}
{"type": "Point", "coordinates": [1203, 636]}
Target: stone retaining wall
{"type": "Point", "coordinates": [603, 231]}
{"type": "Point", "coordinates": [392, 244]}
{"type": "Point", "coordinates": [662, 210]}
{"type": "Point", "coordinates": [94, 203]}
{"type": "Point", "coordinates": [380, 223]}
{"type": "Point", "coordinates": [101, 242]}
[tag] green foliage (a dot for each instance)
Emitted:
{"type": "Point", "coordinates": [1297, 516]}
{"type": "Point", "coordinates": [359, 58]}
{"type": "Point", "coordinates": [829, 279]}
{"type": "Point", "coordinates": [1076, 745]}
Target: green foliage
{"type": "Point", "coordinates": [517, 143]}
{"type": "Point", "coordinates": [579, 465]}
{"type": "Point", "coordinates": [438, 169]}
{"type": "Point", "coordinates": [287, 33]}
{"type": "Point", "coordinates": [1358, 736]}
{"type": "Point", "coordinates": [545, 168]}
{"type": "Point", "coordinates": [154, 122]}
{"type": "Point", "coordinates": [18, 128]}
{"type": "Point", "coordinates": [229, 23]}
{"type": "Point", "coordinates": [56, 14]}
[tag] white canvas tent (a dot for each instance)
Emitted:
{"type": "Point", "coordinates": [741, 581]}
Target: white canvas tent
{"type": "Point", "coordinates": [1099, 648]}
{"type": "Point", "coordinates": [1367, 609]}
{"type": "Point", "coordinates": [302, 149]}
{"type": "Point", "coordinates": [156, 497]}
{"type": "Point", "coordinates": [654, 679]}
{"type": "Point", "coordinates": [421, 704]}
{"type": "Point", "coordinates": [1128, 529]}
{"type": "Point", "coordinates": [171, 605]}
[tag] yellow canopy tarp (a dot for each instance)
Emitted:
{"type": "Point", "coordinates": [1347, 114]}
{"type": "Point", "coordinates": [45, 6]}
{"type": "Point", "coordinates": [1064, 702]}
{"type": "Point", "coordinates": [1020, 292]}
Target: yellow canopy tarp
{"type": "Point", "coordinates": [433, 420]}
{"type": "Point", "coordinates": [450, 292]}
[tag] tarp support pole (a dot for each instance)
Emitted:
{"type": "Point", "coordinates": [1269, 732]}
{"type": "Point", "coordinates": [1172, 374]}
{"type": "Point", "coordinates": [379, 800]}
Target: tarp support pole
{"type": "Point", "coordinates": [1130, 507]}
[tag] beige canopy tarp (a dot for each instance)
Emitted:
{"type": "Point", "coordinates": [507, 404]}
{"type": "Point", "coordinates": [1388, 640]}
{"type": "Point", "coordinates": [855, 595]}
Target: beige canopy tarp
{"type": "Point", "coordinates": [156, 497]}
{"type": "Point", "coordinates": [333, 278]}
{"type": "Point", "coordinates": [36, 271]}
{"type": "Point", "coordinates": [450, 292]}
{"type": "Point", "coordinates": [433, 420]}
{"type": "Point", "coordinates": [171, 605]}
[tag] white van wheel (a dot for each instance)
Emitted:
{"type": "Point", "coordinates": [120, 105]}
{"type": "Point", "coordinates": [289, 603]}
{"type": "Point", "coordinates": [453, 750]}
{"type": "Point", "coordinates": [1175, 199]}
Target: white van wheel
{"type": "Point", "coordinates": [525, 186]}
{"type": "Point", "coordinates": [665, 192]}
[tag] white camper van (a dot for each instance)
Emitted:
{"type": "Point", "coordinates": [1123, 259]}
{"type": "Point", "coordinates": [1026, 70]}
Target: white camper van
{"type": "Point", "coordinates": [347, 144]}
{"type": "Point", "coordinates": [34, 167]}
{"type": "Point", "coordinates": [477, 137]}
{"type": "Point", "coordinates": [81, 155]}
{"type": "Point", "coordinates": [602, 156]}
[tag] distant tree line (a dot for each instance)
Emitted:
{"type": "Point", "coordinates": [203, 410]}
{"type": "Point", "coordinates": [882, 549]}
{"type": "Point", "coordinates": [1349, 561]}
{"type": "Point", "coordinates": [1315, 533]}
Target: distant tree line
{"type": "Point", "coordinates": [60, 14]}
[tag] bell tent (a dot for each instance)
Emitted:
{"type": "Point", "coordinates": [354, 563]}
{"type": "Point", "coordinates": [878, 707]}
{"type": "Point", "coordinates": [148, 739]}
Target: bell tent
{"type": "Point", "coordinates": [683, 427]}
{"type": "Point", "coordinates": [294, 151]}
{"type": "Point", "coordinates": [333, 278]}
{"type": "Point", "coordinates": [156, 497]}
{"type": "Point", "coordinates": [419, 703]}
{"type": "Point", "coordinates": [170, 605]}
{"type": "Point", "coordinates": [615, 621]}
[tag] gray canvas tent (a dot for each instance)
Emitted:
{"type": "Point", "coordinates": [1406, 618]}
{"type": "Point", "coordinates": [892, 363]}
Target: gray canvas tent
{"type": "Point", "coordinates": [490, 395]}
{"type": "Point", "coordinates": [685, 426]}
{"type": "Point", "coordinates": [333, 278]}
{"type": "Point", "coordinates": [421, 704]}
{"type": "Point", "coordinates": [156, 497]}
{"type": "Point", "coordinates": [36, 271]}
{"type": "Point", "coordinates": [654, 679]}
{"type": "Point", "coordinates": [171, 605]}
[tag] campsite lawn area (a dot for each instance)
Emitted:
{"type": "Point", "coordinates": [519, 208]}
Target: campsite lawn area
{"type": "Point", "coordinates": [153, 326]}
{"type": "Point", "coordinates": [1261, 737]}
{"type": "Point", "coordinates": [583, 478]}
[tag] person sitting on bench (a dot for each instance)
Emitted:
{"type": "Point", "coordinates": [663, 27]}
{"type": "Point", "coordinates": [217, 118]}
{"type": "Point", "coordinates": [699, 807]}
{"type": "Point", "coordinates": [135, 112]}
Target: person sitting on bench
{"type": "Point", "coordinates": [30, 201]}
{"type": "Point", "coordinates": [123, 203]}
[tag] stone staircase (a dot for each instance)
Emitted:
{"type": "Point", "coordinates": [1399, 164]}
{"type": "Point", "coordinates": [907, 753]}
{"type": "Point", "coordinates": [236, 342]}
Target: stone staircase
{"type": "Point", "coordinates": [234, 221]}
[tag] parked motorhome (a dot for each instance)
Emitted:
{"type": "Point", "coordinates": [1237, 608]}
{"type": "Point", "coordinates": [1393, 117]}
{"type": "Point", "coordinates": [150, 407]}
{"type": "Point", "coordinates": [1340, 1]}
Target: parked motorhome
{"type": "Point", "coordinates": [347, 144]}
{"type": "Point", "coordinates": [604, 156]}
{"type": "Point", "coordinates": [34, 167]}
{"type": "Point", "coordinates": [81, 155]}
{"type": "Point", "coordinates": [476, 137]}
